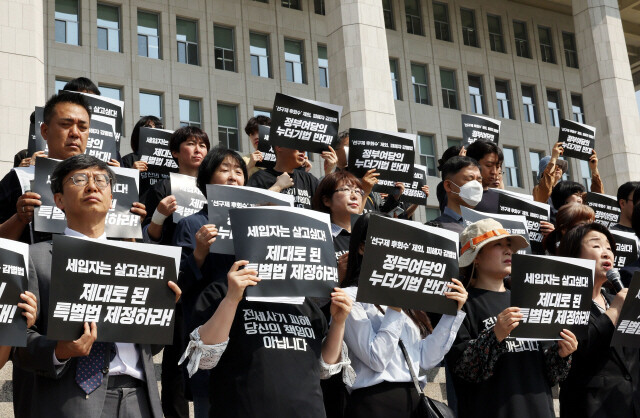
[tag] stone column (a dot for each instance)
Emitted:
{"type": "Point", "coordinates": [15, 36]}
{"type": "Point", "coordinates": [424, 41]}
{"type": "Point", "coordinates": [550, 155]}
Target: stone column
{"type": "Point", "coordinates": [359, 73]}
{"type": "Point", "coordinates": [608, 91]}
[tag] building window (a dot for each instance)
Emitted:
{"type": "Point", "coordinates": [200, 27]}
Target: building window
{"type": "Point", "coordinates": [319, 8]}
{"type": "Point", "coordinates": [454, 142]}
{"type": "Point", "coordinates": [511, 167]}
{"type": "Point", "coordinates": [228, 126]}
{"type": "Point", "coordinates": [546, 45]}
{"type": "Point", "coordinates": [476, 94]}
{"type": "Point", "coordinates": [323, 66]}
{"type": "Point", "coordinates": [291, 4]}
{"type": "Point", "coordinates": [387, 11]}
{"type": "Point", "coordinates": [259, 49]}
{"type": "Point", "coordinates": [395, 79]}
{"type": "Point", "coordinates": [414, 17]}
{"type": "Point", "coordinates": [555, 109]}
{"type": "Point", "coordinates": [262, 1]}
{"type": "Point", "coordinates": [585, 174]}
{"type": "Point", "coordinates": [261, 112]}
{"type": "Point", "coordinates": [294, 61]}
{"type": "Point", "coordinates": [148, 35]}
{"type": "Point", "coordinates": [420, 83]}
{"type": "Point", "coordinates": [111, 92]}
{"type": "Point", "coordinates": [529, 104]}
{"type": "Point", "coordinates": [449, 91]}
{"type": "Point", "coordinates": [441, 21]}
{"type": "Point", "coordinates": [496, 38]}
{"type": "Point", "coordinates": [503, 95]}
{"type": "Point", "coordinates": [108, 28]}
{"type": "Point", "coordinates": [224, 48]}
{"type": "Point", "coordinates": [469, 31]}
{"type": "Point", "coordinates": [67, 27]}
{"type": "Point", "coordinates": [570, 50]}
{"type": "Point", "coordinates": [534, 159]}
{"type": "Point", "coordinates": [187, 36]}
{"type": "Point", "coordinates": [190, 112]}
{"type": "Point", "coordinates": [427, 153]}
{"type": "Point", "coordinates": [59, 85]}
{"type": "Point", "coordinates": [431, 213]}
{"type": "Point", "coordinates": [151, 104]}
{"type": "Point", "coordinates": [577, 110]}
{"type": "Point", "coordinates": [521, 38]}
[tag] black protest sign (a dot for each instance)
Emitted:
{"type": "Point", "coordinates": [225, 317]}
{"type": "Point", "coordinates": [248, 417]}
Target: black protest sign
{"type": "Point", "coordinates": [36, 141]}
{"type": "Point", "coordinates": [153, 149]}
{"type": "Point", "coordinates": [413, 193]}
{"type": "Point", "coordinates": [221, 198]}
{"type": "Point", "coordinates": [534, 212]}
{"type": "Point", "coordinates": [476, 127]}
{"type": "Point", "coordinates": [628, 330]}
{"type": "Point", "coordinates": [189, 198]}
{"type": "Point", "coordinates": [513, 224]}
{"type": "Point", "coordinates": [47, 217]}
{"type": "Point", "coordinates": [120, 286]}
{"type": "Point", "coordinates": [408, 265]}
{"type": "Point", "coordinates": [120, 221]}
{"type": "Point", "coordinates": [264, 146]}
{"type": "Point", "coordinates": [577, 139]}
{"type": "Point", "coordinates": [392, 154]}
{"type": "Point", "coordinates": [606, 208]}
{"type": "Point", "coordinates": [291, 248]}
{"type": "Point", "coordinates": [102, 143]}
{"type": "Point", "coordinates": [303, 124]}
{"type": "Point", "coordinates": [626, 248]}
{"type": "Point", "coordinates": [105, 107]}
{"type": "Point", "coordinates": [553, 293]}
{"type": "Point", "coordinates": [13, 281]}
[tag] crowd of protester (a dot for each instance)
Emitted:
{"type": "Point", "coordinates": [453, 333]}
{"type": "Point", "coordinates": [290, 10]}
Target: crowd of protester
{"type": "Point", "coordinates": [361, 358]}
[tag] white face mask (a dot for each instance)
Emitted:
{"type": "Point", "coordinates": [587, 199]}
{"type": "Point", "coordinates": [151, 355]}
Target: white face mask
{"type": "Point", "coordinates": [470, 192]}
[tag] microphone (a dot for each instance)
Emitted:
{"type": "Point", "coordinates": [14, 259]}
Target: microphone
{"type": "Point", "coordinates": [613, 276]}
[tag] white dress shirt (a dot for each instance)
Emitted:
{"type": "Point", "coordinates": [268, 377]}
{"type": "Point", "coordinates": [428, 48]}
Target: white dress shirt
{"type": "Point", "coordinates": [127, 358]}
{"type": "Point", "coordinates": [372, 338]}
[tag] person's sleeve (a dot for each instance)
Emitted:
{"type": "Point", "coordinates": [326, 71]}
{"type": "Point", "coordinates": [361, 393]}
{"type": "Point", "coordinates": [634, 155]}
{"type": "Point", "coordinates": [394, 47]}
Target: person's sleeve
{"type": "Point", "coordinates": [556, 368]}
{"type": "Point", "coordinates": [598, 340]}
{"type": "Point", "coordinates": [375, 349]}
{"type": "Point", "coordinates": [343, 365]}
{"type": "Point", "coordinates": [474, 360]}
{"type": "Point", "coordinates": [9, 193]}
{"type": "Point", "coordinates": [434, 347]}
{"type": "Point", "coordinates": [202, 356]}
{"type": "Point", "coordinates": [596, 183]}
{"type": "Point", "coordinates": [542, 191]}
{"type": "Point", "coordinates": [390, 203]}
{"type": "Point", "coordinates": [258, 180]}
{"type": "Point", "coordinates": [151, 199]}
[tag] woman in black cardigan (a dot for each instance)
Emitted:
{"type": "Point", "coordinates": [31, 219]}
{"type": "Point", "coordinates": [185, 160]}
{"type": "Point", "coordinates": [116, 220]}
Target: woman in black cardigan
{"type": "Point", "coordinates": [603, 381]}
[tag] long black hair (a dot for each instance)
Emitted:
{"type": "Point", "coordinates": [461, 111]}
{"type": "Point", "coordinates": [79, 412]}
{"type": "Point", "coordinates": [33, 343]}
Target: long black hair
{"type": "Point", "coordinates": [354, 262]}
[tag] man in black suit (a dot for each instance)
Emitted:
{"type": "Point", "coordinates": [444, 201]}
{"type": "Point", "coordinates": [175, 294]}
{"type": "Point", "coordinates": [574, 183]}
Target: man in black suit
{"type": "Point", "coordinates": [66, 379]}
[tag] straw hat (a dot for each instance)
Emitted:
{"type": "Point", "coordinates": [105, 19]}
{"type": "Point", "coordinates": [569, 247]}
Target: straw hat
{"type": "Point", "coordinates": [479, 234]}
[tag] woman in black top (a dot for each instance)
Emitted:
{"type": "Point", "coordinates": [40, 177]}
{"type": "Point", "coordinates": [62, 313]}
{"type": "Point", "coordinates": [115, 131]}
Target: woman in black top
{"type": "Point", "coordinates": [132, 160]}
{"type": "Point", "coordinates": [603, 381]}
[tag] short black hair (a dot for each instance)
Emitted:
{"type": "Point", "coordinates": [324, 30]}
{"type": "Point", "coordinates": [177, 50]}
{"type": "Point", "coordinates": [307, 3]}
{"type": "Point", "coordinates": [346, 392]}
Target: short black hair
{"type": "Point", "coordinates": [626, 189]}
{"type": "Point", "coordinates": [448, 153]}
{"type": "Point", "coordinates": [563, 190]}
{"type": "Point", "coordinates": [480, 148]}
{"type": "Point", "coordinates": [78, 162]}
{"type": "Point", "coordinates": [144, 121]}
{"type": "Point", "coordinates": [63, 97]}
{"type": "Point", "coordinates": [212, 161]}
{"type": "Point", "coordinates": [455, 164]}
{"type": "Point", "coordinates": [571, 243]}
{"type": "Point", "coordinates": [82, 84]}
{"type": "Point", "coordinates": [183, 134]}
{"type": "Point", "coordinates": [252, 124]}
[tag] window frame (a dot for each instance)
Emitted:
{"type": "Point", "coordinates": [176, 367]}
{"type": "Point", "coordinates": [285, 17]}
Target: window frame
{"type": "Point", "coordinates": [187, 43]}
{"type": "Point", "coordinates": [507, 99]}
{"type": "Point", "coordinates": [523, 49]}
{"type": "Point", "coordinates": [547, 53]}
{"type": "Point", "coordinates": [446, 103]}
{"type": "Point", "coordinates": [60, 17]}
{"type": "Point", "coordinates": [295, 64]}
{"type": "Point", "coordinates": [257, 57]}
{"type": "Point", "coordinates": [493, 36]}
{"type": "Point", "coordinates": [442, 27]}
{"type": "Point", "coordinates": [532, 111]}
{"type": "Point", "coordinates": [109, 30]}
{"type": "Point", "coordinates": [226, 128]}
{"type": "Point", "coordinates": [419, 87]}
{"type": "Point", "coordinates": [467, 31]}
{"type": "Point", "coordinates": [220, 49]}
{"type": "Point", "coordinates": [473, 98]}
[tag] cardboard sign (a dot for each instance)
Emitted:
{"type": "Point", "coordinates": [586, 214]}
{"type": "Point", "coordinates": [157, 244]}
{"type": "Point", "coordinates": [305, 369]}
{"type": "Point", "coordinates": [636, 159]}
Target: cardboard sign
{"type": "Point", "coordinates": [626, 248]}
{"type": "Point", "coordinates": [36, 141]}
{"type": "Point", "coordinates": [513, 224]}
{"type": "Point", "coordinates": [627, 333]}
{"type": "Point", "coordinates": [577, 139]}
{"type": "Point", "coordinates": [413, 193]}
{"type": "Point", "coordinates": [102, 143]}
{"type": "Point", "coordinates": [13, 281]}
{"type": "Point", "coordinates": [221, 198]}
{"type": "Point", "coordinates": [103, 108]}
{"type": "Point", "coordinates": [47, 217]}
{"type": "Point", "coordinates": [154, 150]}
{"type": "Point", "coordinates": [408, 265]}
{"type": "Point", "coordinates": [606, 208]}
{"type": "Point", "coordinates": [120, 221]}
{"type": "Point", "coordinates": [392, 154]}
{"type": "Point", "coordinates": [264, 146]}
{"type": "Point", "coordinates": [475, 127]}
{"type": "Point", "coordinates": [188, 197]}
{"type": "Point", "coordinates": [291, 248]}
{"type": "Point", "coordinates": [121, 286]}
{"type": "Point", "coordinates": [303, 124]}
{"type": "Point", "coordinates": [553, 293]}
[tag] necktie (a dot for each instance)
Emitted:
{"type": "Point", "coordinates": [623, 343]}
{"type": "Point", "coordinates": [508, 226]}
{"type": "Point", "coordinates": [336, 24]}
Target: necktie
{"type": "Point", "coordinates": [89, 369]}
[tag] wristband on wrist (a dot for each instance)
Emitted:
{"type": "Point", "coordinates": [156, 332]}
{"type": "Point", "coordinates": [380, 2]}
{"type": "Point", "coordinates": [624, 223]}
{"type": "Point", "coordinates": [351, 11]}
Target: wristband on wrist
{"type": "Point", "coordinates": [158, 218]}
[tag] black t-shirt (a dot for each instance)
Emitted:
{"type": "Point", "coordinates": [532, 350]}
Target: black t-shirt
{"type": "Point", "coordinates": [518, 386]}
{"type": "Point", "coordinates": [129, 159]}
{"type": "Point", "coordinates": [151, 199]}
{"type": "Point", "coordinates": [304, 185]}
{"type": "Point", "coordinates": [489, 203]}
{"type": "Point", "coordinates": [270, 367]}
{"type": "Point", "coordinates": [341, 242]}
